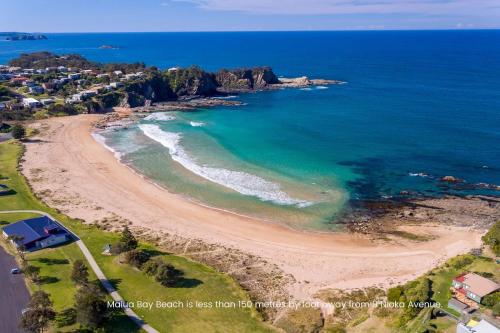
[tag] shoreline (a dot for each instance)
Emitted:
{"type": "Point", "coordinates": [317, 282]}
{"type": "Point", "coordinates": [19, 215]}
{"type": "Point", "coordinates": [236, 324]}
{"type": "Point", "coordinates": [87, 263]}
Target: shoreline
{"type": "Point", "coordinates": [77, 175]}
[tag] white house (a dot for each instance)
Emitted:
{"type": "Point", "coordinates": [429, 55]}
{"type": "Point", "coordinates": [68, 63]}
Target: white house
{"type": "Point", "coordinates": [31, 102]}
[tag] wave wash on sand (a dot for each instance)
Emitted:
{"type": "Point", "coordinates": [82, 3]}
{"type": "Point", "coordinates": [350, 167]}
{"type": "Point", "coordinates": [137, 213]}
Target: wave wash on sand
{"type": "Point", "coordinates": [239, 181]}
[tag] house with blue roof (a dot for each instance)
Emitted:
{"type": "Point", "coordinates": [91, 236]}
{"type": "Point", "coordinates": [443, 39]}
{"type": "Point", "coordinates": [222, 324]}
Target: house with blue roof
{"type": "Point", "coordinates": [37, 233]}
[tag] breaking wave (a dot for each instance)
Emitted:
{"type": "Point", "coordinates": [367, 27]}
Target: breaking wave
{"type": "Point", "coordinates": [160, 116]}
{"type": "Point", "coordinates": [238, 181]}
{"type": "Point", "coordinates": [196, 124]}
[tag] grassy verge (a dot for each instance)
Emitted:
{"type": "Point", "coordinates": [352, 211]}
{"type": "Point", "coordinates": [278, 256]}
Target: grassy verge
{"type": "Point", "coordinates": [203, 286]}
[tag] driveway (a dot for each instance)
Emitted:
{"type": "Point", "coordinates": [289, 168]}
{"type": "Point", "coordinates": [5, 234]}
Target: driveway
{"type": "Point", "coordinates": [14, 295]}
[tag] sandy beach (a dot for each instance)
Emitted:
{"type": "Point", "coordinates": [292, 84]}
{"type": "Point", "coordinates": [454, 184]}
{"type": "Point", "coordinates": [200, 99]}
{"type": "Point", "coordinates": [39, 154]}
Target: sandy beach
{"type": "Point", "coordinates": [70, 170]}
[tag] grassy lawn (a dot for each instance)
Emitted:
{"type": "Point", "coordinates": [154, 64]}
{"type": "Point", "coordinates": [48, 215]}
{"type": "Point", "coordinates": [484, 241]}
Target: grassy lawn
{"type": "Point", "coordinates": [202, 284]}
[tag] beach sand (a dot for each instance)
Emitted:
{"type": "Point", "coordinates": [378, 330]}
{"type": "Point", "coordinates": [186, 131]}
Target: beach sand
{"type": "Point", "coordinates": [68, 169]}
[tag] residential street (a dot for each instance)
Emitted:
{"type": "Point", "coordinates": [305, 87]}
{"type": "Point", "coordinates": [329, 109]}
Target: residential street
{"type": "Point", "coordinates": [14, 295]}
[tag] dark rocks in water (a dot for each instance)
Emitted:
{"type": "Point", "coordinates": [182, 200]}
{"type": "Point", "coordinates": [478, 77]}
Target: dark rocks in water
{"type": "Point", "coordinates": [451, 179]}
{"type": "Point", "coordinates": [246, 79]}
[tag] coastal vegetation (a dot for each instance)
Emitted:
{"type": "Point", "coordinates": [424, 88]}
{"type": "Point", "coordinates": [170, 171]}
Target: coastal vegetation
{"type": "Point", "coordinates": [42, 84]}
{"type": "Point", "coordinates": [199, 283]}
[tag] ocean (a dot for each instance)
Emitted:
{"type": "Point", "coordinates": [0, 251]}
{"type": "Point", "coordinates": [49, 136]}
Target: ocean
{"type": "Point", "coordinates": [416, 106]}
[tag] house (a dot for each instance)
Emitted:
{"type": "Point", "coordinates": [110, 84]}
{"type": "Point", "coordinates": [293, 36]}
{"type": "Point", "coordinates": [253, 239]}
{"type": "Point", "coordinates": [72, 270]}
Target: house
{"type": "Point", "coordinates": [474, 286]}
{"type": "Point", "coordinates": [3, 106]}
{"type": "Point", "coordinates": [74, 76]}
{"type": "Point", "coordinates": [116, 84]}
{"type": "Point", "coordinates": [47, 101]}
{"type": "Point", "coordinates": [118, 73]}
{"type": "Point", "coordinates": [31, 102]}
{"type": "Point", "coordinates": [37, 233]}
{"type": "Point", "coordinates": [36, 90]}
{"type": "Point", "coordinates": [102, 76]}
{"type": "Point", "coordinates": [62, 69]}
{"type": "Point", "coordinates": [477, 327]}
{"type": "Point", "coordinates": [50, 86]}
{"type": "Point", "coordinates": [87, 71]}
{"type": "Point", "coordinates": [28, 83]}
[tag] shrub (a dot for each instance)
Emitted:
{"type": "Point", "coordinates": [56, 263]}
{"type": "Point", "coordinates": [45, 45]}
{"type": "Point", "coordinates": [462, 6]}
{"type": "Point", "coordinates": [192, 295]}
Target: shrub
{"type": "Point", "coordinates": [492, 238]}
{"type": "Point", "coordinates": [168, 275]}
{"type": "Point", "coordinates": [394, 294]}
{"type": "Point", "coordinates": [18, 131]}
{"type": "Point", "coordinates": [496, 309]}
{"type": "Point", "coordinates": [136, 258]}
{"type": "Point", "coordinates": [491, 299]}
{"type": "Point", "coordinates": [151, 267]}
{"type": "Point", "coordinates": [461, 261]}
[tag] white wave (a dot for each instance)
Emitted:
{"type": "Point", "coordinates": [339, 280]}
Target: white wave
{"type": "Point", "coordinates": [321, 87]}
{"type": "Point", "coordinates": [102, 140]}
{"type": "Point", "coordinates": [306, 89]}
{"type": "Point", "coordinates": [226, 97]}
{"type": "Point", "coordinates": [238, 181]}
{"type": "Point", "coordinates": [196, 124]}
{"type": "Point", "coordinates": [419, 174]}
{"type": "Point", "coordinates": [160, 116]}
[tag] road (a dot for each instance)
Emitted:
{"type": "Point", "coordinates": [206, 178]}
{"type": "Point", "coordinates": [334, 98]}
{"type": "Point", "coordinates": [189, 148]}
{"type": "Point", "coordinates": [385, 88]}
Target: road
{"type": "Point", "coordinates": [14, 295]}
{"type": "Point", "coordinates": [97, 270]}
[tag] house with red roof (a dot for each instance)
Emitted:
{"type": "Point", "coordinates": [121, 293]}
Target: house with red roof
{"type": "Point", "coordinates": [474, 286]}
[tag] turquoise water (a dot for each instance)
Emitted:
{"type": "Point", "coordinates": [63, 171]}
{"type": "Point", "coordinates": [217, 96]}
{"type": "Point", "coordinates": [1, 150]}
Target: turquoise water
{"type": "Point", "coordinates": [417, 106]}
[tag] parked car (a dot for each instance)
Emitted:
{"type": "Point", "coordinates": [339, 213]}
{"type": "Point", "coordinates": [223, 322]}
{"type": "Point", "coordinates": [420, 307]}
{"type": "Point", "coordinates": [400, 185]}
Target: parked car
{"type": "Point", "coordinates": [15, 271]}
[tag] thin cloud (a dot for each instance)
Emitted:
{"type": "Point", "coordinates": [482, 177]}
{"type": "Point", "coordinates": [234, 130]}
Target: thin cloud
{"type": "Point", "coordinates": [329, 7]}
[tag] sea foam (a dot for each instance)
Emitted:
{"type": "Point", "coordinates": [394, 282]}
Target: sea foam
{"type": "Point", "coordinates": [238, 181]}
{"type": "Point", "coordinates": [160, 116]}
{"type": "Point", "coordinates": [196, 124]}
{"type": "Point", "coordinates": [102, 140]}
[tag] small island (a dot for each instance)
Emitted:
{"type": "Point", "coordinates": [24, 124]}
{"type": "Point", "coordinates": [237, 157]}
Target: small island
{"type": "Point", "coordinates": [20, 36]}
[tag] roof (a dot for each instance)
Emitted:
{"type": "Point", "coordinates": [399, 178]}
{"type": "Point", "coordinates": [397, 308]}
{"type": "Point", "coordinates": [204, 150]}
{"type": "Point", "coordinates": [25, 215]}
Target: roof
{"type": "Point", "coordinates": [30, 100]}
{"type": "Point", "coordinates": [33, 229]}
{"type": "Point", "coordinates": [479, 285]}
{"type": "Point", "coordinates": [457, 304]}
{"type": "Point", "coordinates": [485, 327]}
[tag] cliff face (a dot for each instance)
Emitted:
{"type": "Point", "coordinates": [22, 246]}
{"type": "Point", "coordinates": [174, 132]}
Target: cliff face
{"type": "Point", "coordinates": [245, 79]}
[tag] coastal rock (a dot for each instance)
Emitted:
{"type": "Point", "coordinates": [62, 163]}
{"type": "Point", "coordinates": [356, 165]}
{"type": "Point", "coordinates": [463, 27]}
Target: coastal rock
{"type": "Point", "coordinates": [245, 79]}
{"type": "Point", "coordinates": [451, 179]}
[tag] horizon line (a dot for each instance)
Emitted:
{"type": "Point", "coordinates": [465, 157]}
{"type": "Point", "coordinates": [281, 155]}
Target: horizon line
{"type": "Point", "coordinates": [240, 31]}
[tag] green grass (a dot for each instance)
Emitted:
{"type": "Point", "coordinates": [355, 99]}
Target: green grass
{"type": "Point", "coordinates": [203, 284]}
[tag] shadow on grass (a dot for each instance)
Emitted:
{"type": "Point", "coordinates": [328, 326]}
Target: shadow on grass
{"type": "Point", "coordinates": [49, 261]}
{"type": "Point", "coordinates": [49, 279]}
{"type": "Point", "coordinates": [4, 223]}
{"type": "Point", "coordinates": [6, 193]}
{"type": "Point", "coordinates": [118, 322]}
{"type": "Point", "coordinates": [153, 253]}
{"type": "Point", "coordinates": [187, 283]}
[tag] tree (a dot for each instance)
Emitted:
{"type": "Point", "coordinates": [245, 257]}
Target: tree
{"type": "Point", "coordinates": [18, 131]}
{"type": "Point", "coordinates": [39, 314]}
{"type": "Point", "coordinates": [151, 267]}
{"type": "Point", "coordinates": [32, 272]}
{"type": "Point", "coordinates": [168, 275]}
{"type": "Point", "coordinates": [90, 306]}
{"type": "Point", "coordinates": [18, 240]}
{"type": "Point", "coordinates": [80, 273]}
{"type": "Point", "coordinates": [128, 240]}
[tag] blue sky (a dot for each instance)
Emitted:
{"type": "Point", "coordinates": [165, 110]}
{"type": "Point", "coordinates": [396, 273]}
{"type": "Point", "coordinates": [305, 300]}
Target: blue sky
{"type": "Point", "coordinates": [238, 15]}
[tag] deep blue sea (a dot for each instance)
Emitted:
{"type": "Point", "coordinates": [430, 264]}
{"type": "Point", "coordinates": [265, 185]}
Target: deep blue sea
{"type": "Point", "coordinates": [417, 106]}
